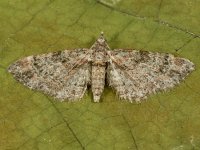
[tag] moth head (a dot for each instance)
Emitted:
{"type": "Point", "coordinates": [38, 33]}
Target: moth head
{"type": "Point", "coordinates": [101, 40]}
{"type": "Point", "coordinates": [100, 44]}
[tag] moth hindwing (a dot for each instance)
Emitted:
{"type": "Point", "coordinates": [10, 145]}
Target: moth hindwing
{"type": "Point", "coordinates": [133, 74]}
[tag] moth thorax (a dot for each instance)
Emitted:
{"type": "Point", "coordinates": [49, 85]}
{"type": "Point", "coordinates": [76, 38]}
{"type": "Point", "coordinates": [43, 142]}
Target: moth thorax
{"type": "Point", "coordinates": [99, 58]}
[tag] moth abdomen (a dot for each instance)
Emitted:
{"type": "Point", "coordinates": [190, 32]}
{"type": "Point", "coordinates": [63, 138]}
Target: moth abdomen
{"type": "Point", "coordinates": [98, 81]}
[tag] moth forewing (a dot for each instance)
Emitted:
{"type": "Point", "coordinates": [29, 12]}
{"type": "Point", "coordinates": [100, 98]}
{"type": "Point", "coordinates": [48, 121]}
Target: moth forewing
{"type": "Point", "coordinates": [141, 78]}
{"type": "Point", "coordinates": [63, 75]}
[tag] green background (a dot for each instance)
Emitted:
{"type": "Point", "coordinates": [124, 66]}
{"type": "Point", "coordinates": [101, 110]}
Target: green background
{"type": "Point", "coordinates": [32, 120]}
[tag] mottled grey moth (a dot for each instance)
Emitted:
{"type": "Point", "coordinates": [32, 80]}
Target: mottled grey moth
{"type": "Point", "coordinates": [133, 74]}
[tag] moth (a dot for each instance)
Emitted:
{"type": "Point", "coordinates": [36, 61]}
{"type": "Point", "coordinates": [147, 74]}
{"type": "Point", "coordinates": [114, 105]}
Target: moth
{"type": "Point", "coordinates": [133, 74]}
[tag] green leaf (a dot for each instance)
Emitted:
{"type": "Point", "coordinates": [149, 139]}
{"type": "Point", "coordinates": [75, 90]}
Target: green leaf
{"type": "Point", "coordinates": [31, 120]}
